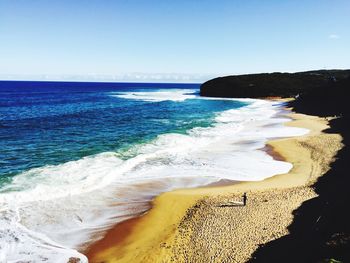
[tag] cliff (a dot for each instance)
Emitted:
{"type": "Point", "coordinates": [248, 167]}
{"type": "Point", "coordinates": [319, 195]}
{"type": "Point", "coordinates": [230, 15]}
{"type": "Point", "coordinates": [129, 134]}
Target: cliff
{"type": "Point", "coordinates": [271, 84]}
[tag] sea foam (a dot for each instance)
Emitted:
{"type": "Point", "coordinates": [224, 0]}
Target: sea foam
{"type": "Point", "coordinates": [50, 213]}
{"type": "Point", "coordinates": [157, 96]}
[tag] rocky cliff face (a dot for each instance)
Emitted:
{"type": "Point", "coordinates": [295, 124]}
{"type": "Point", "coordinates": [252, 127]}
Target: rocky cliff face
{"type": "Point", "coordinates": [271, 84]}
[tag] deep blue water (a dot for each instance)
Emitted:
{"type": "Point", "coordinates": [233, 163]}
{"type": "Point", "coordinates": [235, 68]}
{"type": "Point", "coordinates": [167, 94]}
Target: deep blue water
{"type": "Point", "coordinates": [48, 123]}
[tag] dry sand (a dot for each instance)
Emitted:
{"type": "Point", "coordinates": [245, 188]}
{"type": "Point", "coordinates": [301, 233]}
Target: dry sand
{"type": "Point", "coordinates": [204, 225]}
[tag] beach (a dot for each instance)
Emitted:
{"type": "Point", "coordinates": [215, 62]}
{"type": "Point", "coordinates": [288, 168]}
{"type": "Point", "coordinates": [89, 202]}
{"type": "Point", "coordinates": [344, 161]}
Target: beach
{"type": "Point", "coordinates": [205, 225]}
{"type": "Point", "coordinates": [163, 186]}
{"type": "Point", "coordinates": [174, 131]}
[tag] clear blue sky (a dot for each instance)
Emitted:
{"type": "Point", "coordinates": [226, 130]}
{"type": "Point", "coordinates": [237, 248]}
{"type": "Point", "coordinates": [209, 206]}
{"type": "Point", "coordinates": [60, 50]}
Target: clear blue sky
{"type": "Point", "coordinates": [203, 37]}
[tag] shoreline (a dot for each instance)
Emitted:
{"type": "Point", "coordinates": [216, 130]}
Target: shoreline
{"type": "Point", "coordinates": [156, 235]}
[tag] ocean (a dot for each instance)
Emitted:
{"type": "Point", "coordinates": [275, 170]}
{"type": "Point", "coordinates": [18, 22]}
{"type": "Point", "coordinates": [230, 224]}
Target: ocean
{"type": "Point", "coordinates": [75, 158]}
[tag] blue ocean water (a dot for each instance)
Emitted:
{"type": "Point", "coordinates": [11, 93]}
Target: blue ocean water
{"type": "Point", "coordinates": [49, 123]}
{"type": "Point", "coordinates": [77, 158]}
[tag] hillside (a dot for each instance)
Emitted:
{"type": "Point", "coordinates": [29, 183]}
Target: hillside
{"type": "Point", "coordinates": [271, 84]}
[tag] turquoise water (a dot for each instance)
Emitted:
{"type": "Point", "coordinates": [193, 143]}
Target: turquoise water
{"type": "Point", "coordinates": [77, 158]}
{"type": "Point", "coordinates": [47, 123]}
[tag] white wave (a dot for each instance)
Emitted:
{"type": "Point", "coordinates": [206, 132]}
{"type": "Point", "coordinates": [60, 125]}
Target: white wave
{"type": "Point", "coordinates": [59, 181]}
{"type": "Point", "coordinates": [38, 248]}
{"type": "Point", "coordinates": [157, 96]}
{"type": "Point", "coordinates": [58, 208]}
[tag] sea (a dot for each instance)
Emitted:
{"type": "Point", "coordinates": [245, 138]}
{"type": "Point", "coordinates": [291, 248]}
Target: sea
{"type": "Point", "coordinates": [78, 157]}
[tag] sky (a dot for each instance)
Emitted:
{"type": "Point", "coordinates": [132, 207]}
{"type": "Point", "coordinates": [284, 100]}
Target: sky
{"type": "Point", "coordinates": [182, 40]}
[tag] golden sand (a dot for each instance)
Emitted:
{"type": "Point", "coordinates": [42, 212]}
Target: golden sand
{"type": "Point", "coordinates": [204, 225]}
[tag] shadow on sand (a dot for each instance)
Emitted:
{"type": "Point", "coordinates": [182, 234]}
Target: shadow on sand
{"type": "Point", "coordinates": [231, 204]}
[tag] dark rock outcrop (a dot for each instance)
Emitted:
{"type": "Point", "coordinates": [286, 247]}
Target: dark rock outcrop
{"type": "Point", "coordinates": [271, 84]}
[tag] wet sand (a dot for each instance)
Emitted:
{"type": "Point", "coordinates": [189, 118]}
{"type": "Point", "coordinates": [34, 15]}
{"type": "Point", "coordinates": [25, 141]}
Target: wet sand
{"type": "Point", "coordinates": [205, 225]}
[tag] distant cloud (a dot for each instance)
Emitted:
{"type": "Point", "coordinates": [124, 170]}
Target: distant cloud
{"type": "Point", "coordinates": [333, 36]}
{"type": "Point", "coordinates": [128, 77]}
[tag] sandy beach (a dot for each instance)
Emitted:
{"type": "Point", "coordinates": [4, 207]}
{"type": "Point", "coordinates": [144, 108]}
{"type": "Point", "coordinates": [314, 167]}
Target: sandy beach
{"type": "Point", "coordinates": [210, 225]}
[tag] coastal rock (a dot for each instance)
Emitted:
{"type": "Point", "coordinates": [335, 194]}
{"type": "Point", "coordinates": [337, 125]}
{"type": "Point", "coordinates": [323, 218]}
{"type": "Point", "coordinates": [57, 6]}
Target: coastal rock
{"type": "Point", "coordinates": [271, 84]}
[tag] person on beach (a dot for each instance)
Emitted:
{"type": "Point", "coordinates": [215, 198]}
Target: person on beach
{"type": "Point", "coordinates": [244, 199]}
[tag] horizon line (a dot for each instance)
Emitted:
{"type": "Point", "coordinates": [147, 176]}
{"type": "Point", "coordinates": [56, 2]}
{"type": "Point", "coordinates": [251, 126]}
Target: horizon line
{"type": "Point", "coordinates": [171, 78]}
